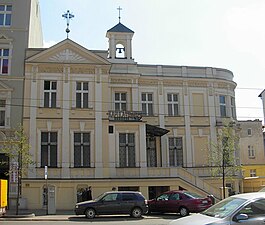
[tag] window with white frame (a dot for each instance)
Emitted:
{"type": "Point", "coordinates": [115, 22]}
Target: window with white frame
{"type": "Point", "coordinates": [175, 151]}
{"type": "Point", "coordinates": [5, 15]}
{"type": "Point", "coordinates": [151, 152]}
{"type": "Point", "coordinates": [81, 94]}
{"type": "Point", "coordinates": [2, 112]}
{"type": "Point", "coordinates": [251, 151]}
{"type": "Point", "coordinates": [127, 149]}
{"type": "Point", "coordinates": [252, 173]}
{"type": "Point", "coordinates": [147, 104]}
{"type": "Point", "coordinates": [50, 89]}
{"type": "Point", "coordinates": [173, 104]}
{"type": "Point", "coordinates": [233, 107]}
{"type": "Point", "coordinates": [4, 60]}
{"type": "Point", "coordinates": [49, 149]}
{"type": "Point", "coordinates": [81, 149]}
{"type": "Point", "coordinates": [120, 101]}
{"type": "Point", "coordinates": [222, 104]}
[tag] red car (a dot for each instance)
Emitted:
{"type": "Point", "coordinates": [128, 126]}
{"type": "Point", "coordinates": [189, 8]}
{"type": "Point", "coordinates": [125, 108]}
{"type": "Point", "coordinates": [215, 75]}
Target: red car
{"type": "Point", "coordinates": [182, 202]}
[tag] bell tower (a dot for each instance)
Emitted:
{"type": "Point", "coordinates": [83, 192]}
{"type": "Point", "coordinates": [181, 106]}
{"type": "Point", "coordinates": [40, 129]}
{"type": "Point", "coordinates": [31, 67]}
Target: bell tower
{"type": "Point", "coordinates": [120, 43]}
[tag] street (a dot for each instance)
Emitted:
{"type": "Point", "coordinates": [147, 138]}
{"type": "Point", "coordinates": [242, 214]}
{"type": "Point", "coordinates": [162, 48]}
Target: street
{"type": "Point", "coordinates": [106, 220]}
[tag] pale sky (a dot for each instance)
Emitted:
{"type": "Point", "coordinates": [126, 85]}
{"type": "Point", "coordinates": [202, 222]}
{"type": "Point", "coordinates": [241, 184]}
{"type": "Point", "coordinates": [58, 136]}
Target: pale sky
{"type": "Point", "coordinates": [227, 34]}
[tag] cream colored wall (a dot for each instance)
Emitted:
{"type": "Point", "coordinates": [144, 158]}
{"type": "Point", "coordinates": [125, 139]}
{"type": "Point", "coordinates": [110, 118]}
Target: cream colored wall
{"type": "Point", "coordinates": [255, 140]}
{"type": "Point", "coordinates": [194, 125]}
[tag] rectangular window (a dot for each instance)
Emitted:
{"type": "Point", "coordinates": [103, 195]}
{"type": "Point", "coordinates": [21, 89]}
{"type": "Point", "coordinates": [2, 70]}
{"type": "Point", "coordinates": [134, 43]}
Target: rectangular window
{"type": "Point", "coordinates": [50, 89]}
{"type": "Point", "coordinates": [5, 15]}
{"type": "Point", "coordinates": [82, 95]}
{"type": "Point", "coordinates": [147, 104]}
{"type": "Point", "coordinates": [4, 59]}
{"type": "Point", "coordinates": [2, 112]}
{"type": "Point", "coordinates": [175, 151]}
{"type": "Point", "coordinates": [251, 152]}
{"type": "Point", "coordinates": [222, 104]}
{"type": "Point", "coordinates": [151, 151]}
{"type": "Point", "coordinates": [249, 130]}
{"type": "Point", "coordinates": [127, 149]}
{"type": "Point", "coordinates": [173, 104]}
{"type": "Point", "coordinates": [81, 149]}
{"type": "Point", "coordinates": [252, 173]}
{"type": "Point", "coordinates": [120, 101]}
{"type": "Point", "coordinates": [49, 149]}
{"type": "Point", "coordinates": [233, 107]}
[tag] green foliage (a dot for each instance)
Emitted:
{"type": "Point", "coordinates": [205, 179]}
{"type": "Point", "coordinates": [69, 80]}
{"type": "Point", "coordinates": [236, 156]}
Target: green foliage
{"type": "Point", "coordinates": [223, 153]}
{"type": "Point", "coordinates": [16, 148]}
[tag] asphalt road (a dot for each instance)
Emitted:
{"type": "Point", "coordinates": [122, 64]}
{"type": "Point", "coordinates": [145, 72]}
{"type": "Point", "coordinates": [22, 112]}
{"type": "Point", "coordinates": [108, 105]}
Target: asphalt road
{"type": "Point", "coordinates": [102, 220]}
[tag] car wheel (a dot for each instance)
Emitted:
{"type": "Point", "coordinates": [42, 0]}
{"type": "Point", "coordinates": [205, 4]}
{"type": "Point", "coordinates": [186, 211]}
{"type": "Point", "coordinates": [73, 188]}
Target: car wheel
{"type": "Point", "coordinates": [90, 213]}
{"type": "Point", "coordinates": [183, 211]}
{"type": "Point", "coordinates": [136, 212]}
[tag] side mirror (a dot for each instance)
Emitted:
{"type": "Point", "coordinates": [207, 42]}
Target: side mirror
{"type": "Point", "coordinates": [241, 216]}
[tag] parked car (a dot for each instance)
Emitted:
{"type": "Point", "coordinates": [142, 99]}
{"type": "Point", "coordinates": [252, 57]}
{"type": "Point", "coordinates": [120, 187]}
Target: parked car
{"type": "Point", "coordinates": [248, 208]}
{"type": "Point", "coordinates": [115, 202]}
{"type": "Point", "coordinates": [182, 202]}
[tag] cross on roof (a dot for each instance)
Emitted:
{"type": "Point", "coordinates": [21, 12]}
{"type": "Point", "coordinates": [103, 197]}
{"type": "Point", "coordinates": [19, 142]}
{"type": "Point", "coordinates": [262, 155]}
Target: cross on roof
{"type": "Point", "coordinates": [119, 13]}
{"type": "Point", "coordinates": [68, 16]}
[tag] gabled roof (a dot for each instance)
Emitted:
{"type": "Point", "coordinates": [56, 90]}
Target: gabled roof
{"type": "Point", "coordinates": [67, 51]}
{"type": "Point", "coordinates": [120, 28]}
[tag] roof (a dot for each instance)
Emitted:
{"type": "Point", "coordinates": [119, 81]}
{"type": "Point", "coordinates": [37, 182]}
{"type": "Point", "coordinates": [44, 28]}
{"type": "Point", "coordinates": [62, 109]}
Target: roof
{"type": "Point", "coordinates": [251, 195]}
{"type": "Point", "coordinates": [120, 28]}
{"type": "Point", "coordinates": [260, 95]}
{"type": "Point", "coordinates": [155, 131]}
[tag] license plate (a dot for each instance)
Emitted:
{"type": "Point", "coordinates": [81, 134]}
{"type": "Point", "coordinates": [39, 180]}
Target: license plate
{"type": "Point", "coordinates": [205, 202]}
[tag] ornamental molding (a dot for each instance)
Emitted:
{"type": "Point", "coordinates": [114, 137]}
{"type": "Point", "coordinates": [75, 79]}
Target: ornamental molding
{"type": "Point", "coordinates": [83, 70]}
{"type": "Point", "coordinates": [50, 69]}
{"type": "Point", "coordinates": [120, 81]}
{"type": "Point", "coordinates": [173, 83]}
{"type": "Point", "coordinates": [67, 55]}
{"type": "Point", "coordinates": [197, 84]}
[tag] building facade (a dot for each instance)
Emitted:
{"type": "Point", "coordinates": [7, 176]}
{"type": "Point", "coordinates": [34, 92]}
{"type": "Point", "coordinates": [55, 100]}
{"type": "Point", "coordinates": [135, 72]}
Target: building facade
{"type": "Point", "coordinates": [16, 35]}
{"type": "Point", "coordinates": [252, 155]}
{"type": "Point", "coordinates": [98, 118]}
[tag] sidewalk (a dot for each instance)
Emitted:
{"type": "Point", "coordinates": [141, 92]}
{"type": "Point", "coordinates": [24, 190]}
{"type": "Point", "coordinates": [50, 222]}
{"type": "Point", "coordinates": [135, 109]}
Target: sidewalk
{"type": "Point", "coordinates": [39, 215]}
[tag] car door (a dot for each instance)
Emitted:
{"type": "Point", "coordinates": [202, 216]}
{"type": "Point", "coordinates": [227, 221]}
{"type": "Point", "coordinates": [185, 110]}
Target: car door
{"type": "Point", "coordinates": [161, 203]}
{"type": "Point", "coordinates": [127, 202]}
{"type": "Point", "coordinates": [109, 204]}
{"type": "Point", "coordinates": [251, 214]}
{"type": "Point", "coordinates": [173, 202]}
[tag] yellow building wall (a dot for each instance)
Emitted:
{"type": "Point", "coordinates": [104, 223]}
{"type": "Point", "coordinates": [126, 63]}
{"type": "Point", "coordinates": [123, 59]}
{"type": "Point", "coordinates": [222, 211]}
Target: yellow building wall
{"type": "Point", "coordinates": [251, 184]}
{"type": "Point", "coordinates": [198, 104]}
{"type": "Point", "coordinates": [200, 150]}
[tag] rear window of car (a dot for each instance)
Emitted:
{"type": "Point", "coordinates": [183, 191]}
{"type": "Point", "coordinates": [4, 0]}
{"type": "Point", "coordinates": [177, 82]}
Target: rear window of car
{"type": "Point", "coordinates": [128, 197]}
{"type": "Point", "coordinates": [192, 195]}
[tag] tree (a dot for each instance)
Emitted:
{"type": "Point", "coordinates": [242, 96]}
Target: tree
{"type": "Point", "coordinates": [16, 148]}
{"type": "Point", "coordinates": [222, 153]}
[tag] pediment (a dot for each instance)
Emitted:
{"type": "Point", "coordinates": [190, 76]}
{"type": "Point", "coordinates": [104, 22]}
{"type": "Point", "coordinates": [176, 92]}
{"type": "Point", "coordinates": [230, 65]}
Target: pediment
{"type": "Point", "coordinates": [67, 51]}
{"type": "Point", "coordinates": [4, 38]}
{"type": "Point", "coordinates": [4, 87]}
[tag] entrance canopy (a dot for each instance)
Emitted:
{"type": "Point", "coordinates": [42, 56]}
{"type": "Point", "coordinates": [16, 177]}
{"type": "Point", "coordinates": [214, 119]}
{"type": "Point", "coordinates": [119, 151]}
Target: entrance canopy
{"type": "Point", "coordinates": [155, 131]}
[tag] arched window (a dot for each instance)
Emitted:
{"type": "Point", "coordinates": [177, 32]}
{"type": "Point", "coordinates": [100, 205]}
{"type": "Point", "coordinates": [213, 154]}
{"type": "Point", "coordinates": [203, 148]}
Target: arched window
{"type": "Point", "coordinates": [120, 51]}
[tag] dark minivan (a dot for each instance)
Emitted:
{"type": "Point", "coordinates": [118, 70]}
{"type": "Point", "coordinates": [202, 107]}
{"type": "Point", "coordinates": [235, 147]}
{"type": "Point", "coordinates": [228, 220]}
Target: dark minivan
{"type": "Point", "coordinates": [112, 203]}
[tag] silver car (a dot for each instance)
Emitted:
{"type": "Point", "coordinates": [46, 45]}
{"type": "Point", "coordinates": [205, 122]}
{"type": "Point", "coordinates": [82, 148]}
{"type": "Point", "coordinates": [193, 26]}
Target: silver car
{"type": "Point", "coordinates": [247, 208]}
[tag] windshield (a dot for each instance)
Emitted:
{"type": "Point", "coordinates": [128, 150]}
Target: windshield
{"type": "Point", "coordinates": [99, 197]}
{"type": "Point", "coordinates": [224, 208]}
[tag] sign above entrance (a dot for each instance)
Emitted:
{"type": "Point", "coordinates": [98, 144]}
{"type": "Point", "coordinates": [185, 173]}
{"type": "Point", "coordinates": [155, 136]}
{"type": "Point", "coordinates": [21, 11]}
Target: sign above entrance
{"type": "Point", "coordinates": [125, 116]}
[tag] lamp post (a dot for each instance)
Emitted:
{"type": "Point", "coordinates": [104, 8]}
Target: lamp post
{"type": "Point", "coordinates": [47, 190]}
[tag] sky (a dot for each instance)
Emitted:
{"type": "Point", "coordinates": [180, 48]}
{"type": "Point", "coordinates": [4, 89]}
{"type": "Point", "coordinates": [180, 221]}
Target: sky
{"type": "Point", "coordinates": [227, 34]}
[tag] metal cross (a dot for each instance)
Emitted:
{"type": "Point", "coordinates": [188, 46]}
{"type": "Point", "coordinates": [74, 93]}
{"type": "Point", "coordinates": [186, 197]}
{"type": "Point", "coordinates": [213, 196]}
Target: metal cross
{"type": "Point", "coordinates": [68, 16]}
{"type": "Point", "coordinates": [119, 13]}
